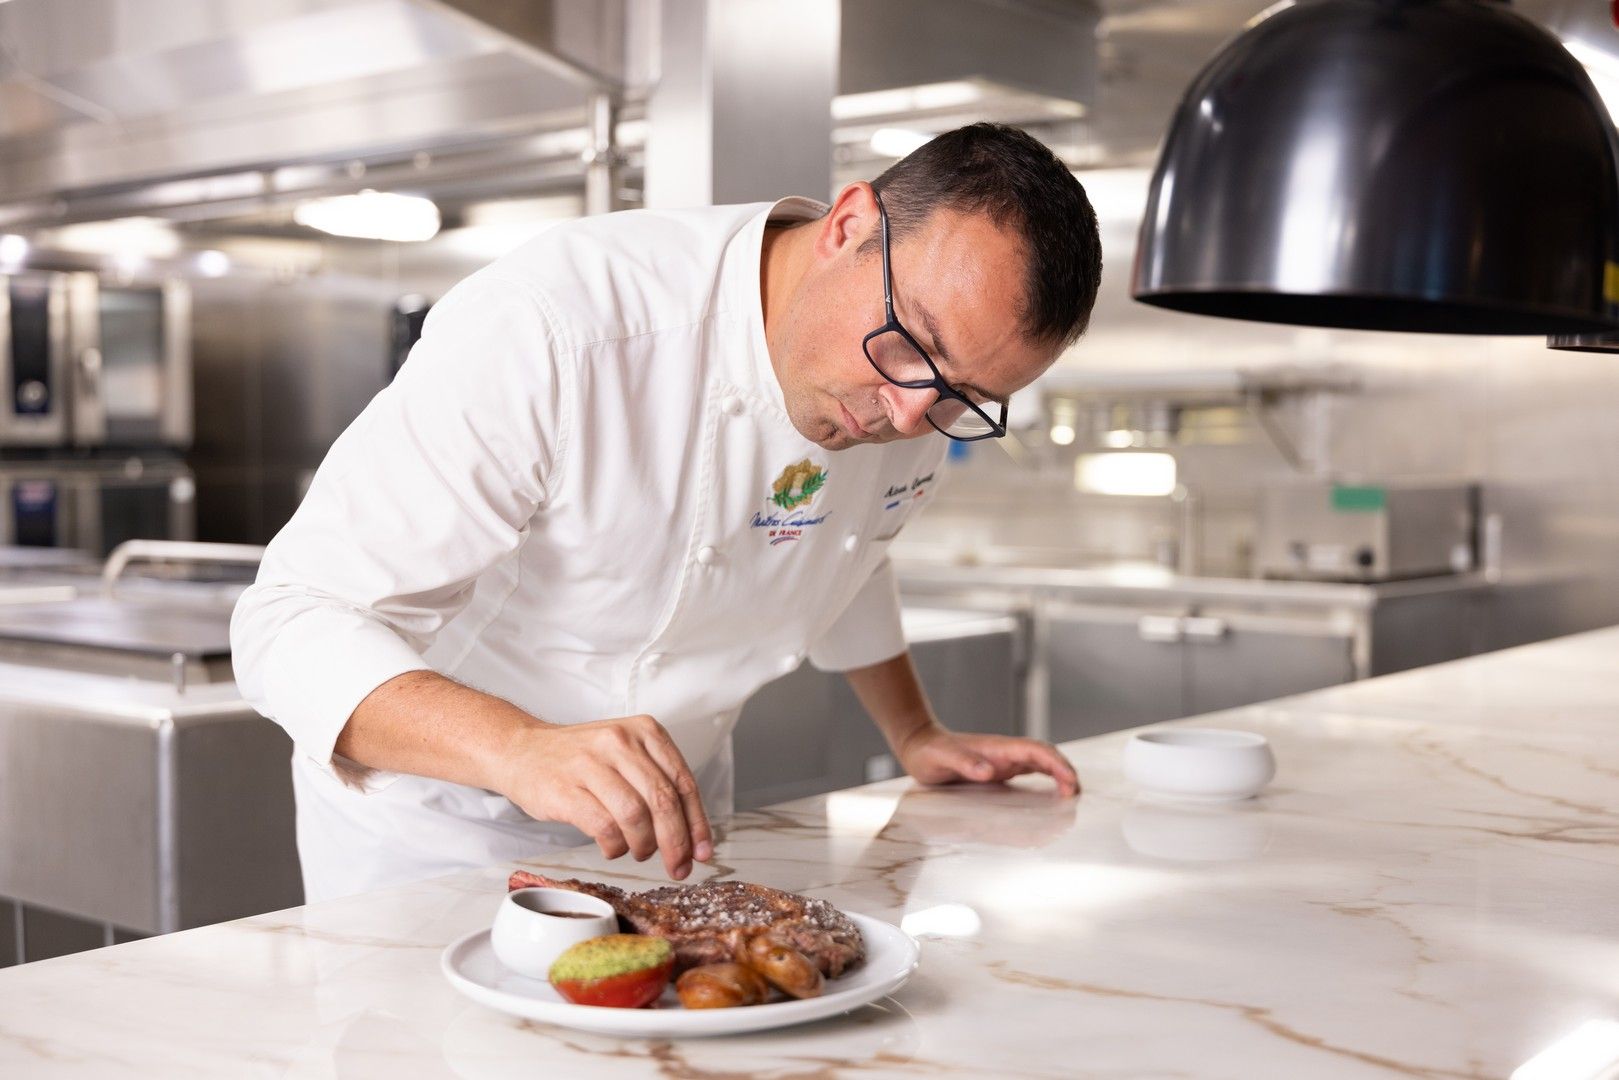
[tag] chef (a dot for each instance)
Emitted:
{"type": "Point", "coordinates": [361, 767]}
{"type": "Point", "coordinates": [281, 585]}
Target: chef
{"type": "Point", "coordinates": [631, 472]}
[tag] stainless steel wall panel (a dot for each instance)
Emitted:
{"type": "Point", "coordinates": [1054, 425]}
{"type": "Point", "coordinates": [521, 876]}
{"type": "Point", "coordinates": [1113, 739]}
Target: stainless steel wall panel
{"type": "Point", "coordinates": [150, 825]}
{"type": "Point", "coordinates": [235, 847]}
{"type": "Point", "coordinates": [1035, 45]}
{"type": "Point", "coordinates": [1104, 676]}
{"type": "Point", "coordinates": [742, 110]}
{"type": "Point", "coordinates": [806, 733]}
{"type": "Point", "coordinates": [78, 815]}
{"type": "Point", "coordinates": [281, 370]}
{"type": "Point", "coordinates": [1258, 659]}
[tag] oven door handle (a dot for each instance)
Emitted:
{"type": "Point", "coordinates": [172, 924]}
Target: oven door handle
{"type": "Point", "coordinates": [90, 367]}
{"type": "Point", "coordinates": [184, 551]}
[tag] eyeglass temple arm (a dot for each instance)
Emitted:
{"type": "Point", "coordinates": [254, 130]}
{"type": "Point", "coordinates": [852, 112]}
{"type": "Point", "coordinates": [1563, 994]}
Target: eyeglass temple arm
{"type": "Point", "coordinates": [888, 277]}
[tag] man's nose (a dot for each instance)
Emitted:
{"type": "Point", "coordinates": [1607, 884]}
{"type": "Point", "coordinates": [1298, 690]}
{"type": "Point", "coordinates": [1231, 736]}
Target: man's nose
{"type": "Point", "coordinates": [907, 409]}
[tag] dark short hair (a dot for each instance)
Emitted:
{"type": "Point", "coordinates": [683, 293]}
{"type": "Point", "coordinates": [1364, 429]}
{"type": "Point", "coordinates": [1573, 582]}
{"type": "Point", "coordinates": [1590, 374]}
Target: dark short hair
{"type": "Point", "coordinates": [1011, 176]}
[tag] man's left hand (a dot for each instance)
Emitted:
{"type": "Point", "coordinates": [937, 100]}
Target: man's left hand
{"type": "Point", "coordinates": [934, 755]}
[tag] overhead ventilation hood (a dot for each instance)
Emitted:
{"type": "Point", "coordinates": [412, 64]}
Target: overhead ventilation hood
{"type": "Point", "coordinates": [1419, 165]}
{"type": "Point", "coordinates": [99, 96]}
{"type": "Point", "coordinates": [201, 111]}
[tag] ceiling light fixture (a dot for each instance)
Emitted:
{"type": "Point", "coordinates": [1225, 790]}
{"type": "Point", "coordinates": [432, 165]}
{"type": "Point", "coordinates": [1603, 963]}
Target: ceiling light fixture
{"type": "Point", "coordinates": [371, 215]}
{"type": "Point", "coordinates": [898, 142]}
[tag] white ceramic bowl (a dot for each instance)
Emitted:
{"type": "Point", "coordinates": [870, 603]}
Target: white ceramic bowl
{"type": "Point", "coordinates": [530, 931]}
{"type": "Point", "coordinates": [1203, 764]}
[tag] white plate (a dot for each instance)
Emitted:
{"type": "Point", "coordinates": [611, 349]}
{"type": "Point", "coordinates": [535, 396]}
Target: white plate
{"type": "Point", "coordinates": [471, 967]}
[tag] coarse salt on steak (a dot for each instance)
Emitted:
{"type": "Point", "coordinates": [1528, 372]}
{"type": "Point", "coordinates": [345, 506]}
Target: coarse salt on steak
{"type": "Point", "coordinates": [707, 922]}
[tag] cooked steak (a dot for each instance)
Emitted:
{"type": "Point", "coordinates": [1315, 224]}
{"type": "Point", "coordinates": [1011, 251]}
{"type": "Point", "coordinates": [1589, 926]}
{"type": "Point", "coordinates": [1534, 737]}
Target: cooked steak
{"type": "Point", "coordinates": [706, 923]}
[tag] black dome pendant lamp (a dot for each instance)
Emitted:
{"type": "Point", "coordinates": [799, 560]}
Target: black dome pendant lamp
{"type": "Point", "coordinates": [1583, 342]}
{"type": "Point", "coordinates": [1421, 165]}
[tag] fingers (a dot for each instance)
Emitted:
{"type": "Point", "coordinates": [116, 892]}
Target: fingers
{"type": "Point", "coordinates": [642, 781]}
{"type": "Point", "coordinates": [628, 809]}
{"type": "Point", "coordinates": [668, 757]}
{"type": "Point", "coordinates": [971, 765]}
{"type": "Point", "coordinates": [1017, 756]}
{"type": "Point", "coordinates": [591, 817]}
{"type": "Point", "coordinates": [669, 827]}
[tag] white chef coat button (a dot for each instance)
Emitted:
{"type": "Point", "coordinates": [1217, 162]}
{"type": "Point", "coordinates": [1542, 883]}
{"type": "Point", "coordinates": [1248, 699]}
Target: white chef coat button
{"type": "Point", "coordinates": [851, 542]}
{"type": "Point", "coordinates": [719, 721]}
{"type": "Point", "coordinates": [708, 556]}
{"type": "Point", "coordinates": [653, 660]}
{"type": "Point", "coordinates": [789, 663]}
{"type": "Point", "coordinates": [733, 405]}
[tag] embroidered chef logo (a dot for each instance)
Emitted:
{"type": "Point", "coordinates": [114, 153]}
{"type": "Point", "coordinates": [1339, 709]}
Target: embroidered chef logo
{"type": "Point", "coordinates": [797, 485]}
{"type": "Point", "coordinates": [790, 500]}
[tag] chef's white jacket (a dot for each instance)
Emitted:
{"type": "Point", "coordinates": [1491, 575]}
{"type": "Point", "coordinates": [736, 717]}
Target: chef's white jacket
{"type": "Point", "coordinates": [582, 494]}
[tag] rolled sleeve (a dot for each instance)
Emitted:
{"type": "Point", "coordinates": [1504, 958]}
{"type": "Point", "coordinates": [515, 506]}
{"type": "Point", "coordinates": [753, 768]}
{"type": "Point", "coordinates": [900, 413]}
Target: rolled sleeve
{"type": "Point", "coordinates": [434, 484]}
{"type": "Point", "coordinates": [868, 631]}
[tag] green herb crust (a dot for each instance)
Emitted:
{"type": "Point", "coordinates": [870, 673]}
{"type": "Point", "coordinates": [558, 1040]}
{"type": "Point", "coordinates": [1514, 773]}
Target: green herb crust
{"type": "Point", "coordinates": [614, 954]}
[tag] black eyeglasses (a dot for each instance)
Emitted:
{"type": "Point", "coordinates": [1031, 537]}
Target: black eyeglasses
{"type": "Point", "coordinates": [899, 359]}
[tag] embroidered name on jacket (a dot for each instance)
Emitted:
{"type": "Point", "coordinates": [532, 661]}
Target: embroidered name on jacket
{"type": "Point", "coordinates": [898, 494]}
{"type": "Point", "coordinates": [791, 502]}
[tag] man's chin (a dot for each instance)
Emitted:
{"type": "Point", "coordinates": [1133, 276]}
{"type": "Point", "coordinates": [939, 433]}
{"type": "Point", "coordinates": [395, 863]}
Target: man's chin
{"type": "Point", "coordinates": [827, 434]}
{"type": "Point", "coordinates": [836, 441]}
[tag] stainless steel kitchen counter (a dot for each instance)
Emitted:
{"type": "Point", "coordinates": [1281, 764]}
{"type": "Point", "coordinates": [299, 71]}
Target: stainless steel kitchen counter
{"type": "Point", "coordinates": [139, 804]}
{"type": "Point", "coordinates": [1120, 644]}
{"type": "Point", "coordinates": [1147, 582]}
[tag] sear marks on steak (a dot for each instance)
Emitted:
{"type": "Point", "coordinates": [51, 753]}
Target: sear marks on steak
{"type": "Point", "coordinates": [706, 923]}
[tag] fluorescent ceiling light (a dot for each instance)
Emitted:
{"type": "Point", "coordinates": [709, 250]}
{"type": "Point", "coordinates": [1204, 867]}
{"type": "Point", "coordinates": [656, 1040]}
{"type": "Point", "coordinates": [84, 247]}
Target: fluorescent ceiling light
{"type": "Point", "coordinates": [1125, 474]}
{"type": "Point", "coordinates": [898, 142]}
{"type": "Point", "coordinates": [371, 215]}
{"type": "Point", "coordinates": [905, 99]}
{"type": "Point", "coordinates": [213, 263]}
{"type": "Point", "coordinates": [131, 239]}
{"type": "Point", "coordinates": [127, 264]}
{"type": "Point", "coordinates": [544, 210]}
{"type": "Point", "coordinates": [1117, 194]}
{"type": "Point", "coordinates": [489, 242]}
{"type": "Point", "coordinates": [13, 249]}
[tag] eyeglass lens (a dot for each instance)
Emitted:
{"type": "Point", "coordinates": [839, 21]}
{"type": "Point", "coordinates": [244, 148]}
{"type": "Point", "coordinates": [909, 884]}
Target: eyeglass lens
{"type": "Point", "coordinates": [899, 362]}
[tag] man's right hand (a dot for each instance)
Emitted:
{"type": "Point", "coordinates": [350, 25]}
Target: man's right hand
{"type": "Point", "coordinates": [622, 782]}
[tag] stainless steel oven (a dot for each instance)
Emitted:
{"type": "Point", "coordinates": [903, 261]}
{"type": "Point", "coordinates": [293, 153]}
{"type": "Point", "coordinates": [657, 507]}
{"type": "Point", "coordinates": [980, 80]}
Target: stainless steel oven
{"type": "Point", "coordinates": [96, 505]}
{"type": "Point", "coordinates": [131, 345]}
{"type": "Point", "coordinates": [34, 354]}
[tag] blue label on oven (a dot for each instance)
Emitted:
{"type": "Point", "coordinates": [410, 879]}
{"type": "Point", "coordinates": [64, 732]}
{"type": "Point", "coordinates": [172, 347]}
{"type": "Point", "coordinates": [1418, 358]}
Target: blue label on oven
{"type": "Point", "coordinates": [33, 513]}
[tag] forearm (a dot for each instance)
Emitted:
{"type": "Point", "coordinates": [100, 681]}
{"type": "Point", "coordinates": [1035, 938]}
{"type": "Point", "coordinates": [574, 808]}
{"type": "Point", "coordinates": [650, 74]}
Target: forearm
{"type": "Point", "coordinates": [893, 697]}
{"type": "Point", "coordinates": [426, 724]}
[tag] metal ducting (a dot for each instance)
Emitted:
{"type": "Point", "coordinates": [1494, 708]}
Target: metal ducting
{"type": "Point", "coordinates": [1039, 47]}
{"type": "Point", "coordinates": [103, 97]}
{"type": "Point", "coordinates": [1418, 165]}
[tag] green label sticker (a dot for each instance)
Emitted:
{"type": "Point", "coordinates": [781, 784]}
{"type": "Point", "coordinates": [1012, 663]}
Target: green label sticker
{"type": "Point", "coordinates": [1359, 500]}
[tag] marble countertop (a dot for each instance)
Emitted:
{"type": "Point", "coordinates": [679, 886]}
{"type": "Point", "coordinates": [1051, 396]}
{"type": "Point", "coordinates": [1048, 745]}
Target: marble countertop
{"type": "Point", "coordinates": [1426, 890]}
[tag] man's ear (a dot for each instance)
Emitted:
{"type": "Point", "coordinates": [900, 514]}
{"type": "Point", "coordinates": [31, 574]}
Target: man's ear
{"type": "Point", "coordinates": [852, 219]}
